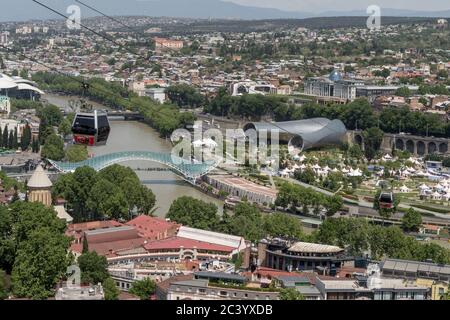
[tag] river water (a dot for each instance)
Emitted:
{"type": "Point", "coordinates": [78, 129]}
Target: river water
{"type": "Point", "coordinates": [137, 136]}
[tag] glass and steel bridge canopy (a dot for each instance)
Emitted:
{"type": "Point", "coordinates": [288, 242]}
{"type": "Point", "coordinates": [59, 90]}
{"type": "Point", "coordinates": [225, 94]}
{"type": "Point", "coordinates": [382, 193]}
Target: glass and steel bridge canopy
{"type": "Point", "coordinates": [189, 170]}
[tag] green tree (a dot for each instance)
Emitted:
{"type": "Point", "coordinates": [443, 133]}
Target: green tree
{"type": "Point", "coordinates": [373, 137]}
{"type": "Point", "coordinates": [40, 262]}
{"type": "Point", "coordinates": [290, 294]}
{"type": "Point", "coordinates": [283, 225]}
{"type": "Point", "coordinates": [403, 92]}
{"type": "Point", "coordinates": [53, 148]}
{"type": "Point", "coordinates": [25, 141]}
{"type": "Point", "coordinates": [65, 127]}
{"type": "Point", "coordinates": [15, 140]}
{"type": "Point", "coordinates": [27, 217]}
{"type": "Point", "coordinates": [307, 175]}
{"type": "Point", "coordinates": [247, 222]}
{"type": "Point", "coordinates": [355, 151]}
{"type": "Point", "coordinates": [412, 220]}
{"type": "Point", "coordinates": [144, 289]}
{"type": "Point", "coordinates": [76, 153]}
{"type": "Point", "coordinates": [185, 95]}
{"type": "Point", "coordinates": [94, 268]}
{"type": "Point", "coordinates": [107, 200]}
{"type": "Point", "coordinates": [35, 147]}
{"type": "Point", "coordinates": [110, 289]}
{"type": "Point", "coordinates": [5, 137]}
{"type": "Point", "coordinates": [85, 246]}
{"type": "Point", "coordinates": [11, 140]}
{"type": "Point", "coordinates": [51, 115]}
{"type": "Point", "coordinates": [7, 243]}
{"type": "Point", "coordinates": [194, 213]}
{"type": "Point", "coordinates": [3, 289]}
{"type": "Point", "coordinates": [333, 204]}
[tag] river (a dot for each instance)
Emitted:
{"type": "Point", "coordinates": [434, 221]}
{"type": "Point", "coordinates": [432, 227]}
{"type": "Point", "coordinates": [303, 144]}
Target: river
{"type": "Point", "coordinates": [137, 136]}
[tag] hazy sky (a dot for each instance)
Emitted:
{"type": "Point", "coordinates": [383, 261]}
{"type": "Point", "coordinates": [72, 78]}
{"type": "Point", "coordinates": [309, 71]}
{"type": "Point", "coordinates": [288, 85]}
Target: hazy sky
{"type": "Point", "coordinates": [339, 5]}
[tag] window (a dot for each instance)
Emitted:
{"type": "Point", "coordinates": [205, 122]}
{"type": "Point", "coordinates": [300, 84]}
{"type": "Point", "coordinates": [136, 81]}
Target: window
{"type": "Point", "coordinates": [224, 293]}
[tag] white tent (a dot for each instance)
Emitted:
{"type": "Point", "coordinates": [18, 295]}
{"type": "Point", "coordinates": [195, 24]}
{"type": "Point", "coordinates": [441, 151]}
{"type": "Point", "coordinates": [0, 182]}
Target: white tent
{"type": "Point", "coordinates": [210, 143]}
{"type": "Point", "coordinates": [355, 173]}
{"type": "Point", "coordinates": [404, 189]}
{"type": "Point", "coordinates": [197, 143]}
{"type": "Point", "coordinates": [436, 196]}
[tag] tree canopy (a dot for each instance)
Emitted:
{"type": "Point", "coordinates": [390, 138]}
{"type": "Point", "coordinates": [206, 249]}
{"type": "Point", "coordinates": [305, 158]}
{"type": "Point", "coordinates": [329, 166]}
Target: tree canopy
{"type": "Point", "coordinates": [412, 220]}
{"type": "Point", "coordinates": [114, 192]}
{"type": "Point", "coordinates": [33, 248]}
{"type": "Point", "coordinates": [290, 294]}
{"type": "Point", "coordinates": [143, 288]}
{"type": "Point", "coordinates": [194, 213]}
{"type": "Point", "coordinates": [94, 268]}
{"type": "Point", "coordinates": [53, 148]}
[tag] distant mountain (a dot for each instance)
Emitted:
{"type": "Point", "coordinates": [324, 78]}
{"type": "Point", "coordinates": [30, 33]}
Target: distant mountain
{"type": "Point", "coordinates": [12, 10]}
{"type": "Point", "coordinates": [387, 12]}
{"type": "Point", "coordinates": [20, 10]}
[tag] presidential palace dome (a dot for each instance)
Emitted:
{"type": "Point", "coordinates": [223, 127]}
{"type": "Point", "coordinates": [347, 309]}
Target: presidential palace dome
{"type": "Point", "coordinates": [335, 76]}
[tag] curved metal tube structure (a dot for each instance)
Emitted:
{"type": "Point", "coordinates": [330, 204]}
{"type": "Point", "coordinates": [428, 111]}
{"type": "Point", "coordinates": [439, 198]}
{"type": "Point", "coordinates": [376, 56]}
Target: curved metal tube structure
{"type": "Point", "coordinates": [188, 170]}
{"type": "Point", "coordinates": [305, 134]}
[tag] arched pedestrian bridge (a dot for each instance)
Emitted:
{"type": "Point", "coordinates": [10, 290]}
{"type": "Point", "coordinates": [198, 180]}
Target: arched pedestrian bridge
{"type": "Point", "coordinates": [188, 170]}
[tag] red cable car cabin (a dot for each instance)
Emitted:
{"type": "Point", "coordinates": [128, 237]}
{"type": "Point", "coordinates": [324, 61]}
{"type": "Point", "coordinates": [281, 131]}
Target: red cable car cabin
{"type": "Point", "coordinates": [386, 200]}
{"type": "Point", "coordinates": [91, 129]}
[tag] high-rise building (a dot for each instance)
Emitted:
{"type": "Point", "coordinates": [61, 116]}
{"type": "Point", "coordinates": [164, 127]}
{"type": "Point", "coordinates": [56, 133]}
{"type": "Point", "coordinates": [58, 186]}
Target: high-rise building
{"type": "Point", "coordinates": [4, 38]}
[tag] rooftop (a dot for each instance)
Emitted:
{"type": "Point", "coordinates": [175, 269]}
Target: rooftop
{"type": "Point", "coordinates": [217, 238]}
{"type": "Point", "coordinates": [178, 242]}
{"type": "Point", "coordinates": [150, 227]}
{"type": "Point", "coordinates": [219, 276]}
{"type": "Point", "coordinates": [39, 179]}
{"type": "Point", "coordinates": [414, 266]}
{"type": "Point", "coordinates": [314, 248]}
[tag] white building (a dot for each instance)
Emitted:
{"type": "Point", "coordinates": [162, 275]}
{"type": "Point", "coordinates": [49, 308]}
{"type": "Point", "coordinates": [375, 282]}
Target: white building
{"type": "Point", "coordinates": [157, 94]}
{"type": "Point", "coordinates": [5, 107]}
{"type": "Point", "coordinates": [252, 87]}
{"type": "Point", "coordinates": [4, 38]}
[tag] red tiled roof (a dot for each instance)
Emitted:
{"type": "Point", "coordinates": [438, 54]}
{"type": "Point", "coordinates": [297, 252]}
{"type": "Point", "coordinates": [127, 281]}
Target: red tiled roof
{"type": "Point", "coordinates": [268, 272]}
{"type": "Point", "coordinates": [153, 228]}
{"type": "Point", "coordinates": [431, 227]}
{"type": "Point", "coordinates": [177, 243]}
